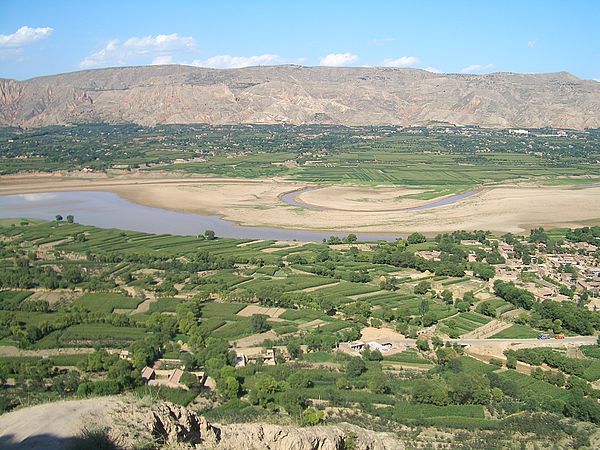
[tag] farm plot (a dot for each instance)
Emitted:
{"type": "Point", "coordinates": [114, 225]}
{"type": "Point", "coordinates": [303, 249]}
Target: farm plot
{"type": "Point", "coordinates": [461, 324]}
{"type": "Point", "coordinates": [106, 302]}
{"type": "Point", "coordinates": [250, 310]}
{"type": "Point", "coordinates": [517, 331]}
{"type": "Point", "coordinates": [102, 334]}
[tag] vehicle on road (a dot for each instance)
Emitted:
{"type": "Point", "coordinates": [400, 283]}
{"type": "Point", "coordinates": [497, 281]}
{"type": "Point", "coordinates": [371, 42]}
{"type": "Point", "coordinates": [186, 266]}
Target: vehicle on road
{"type": "Point", "coordinates": [543, 336]}
{"type": "Point", "coordinates": [559, 336]}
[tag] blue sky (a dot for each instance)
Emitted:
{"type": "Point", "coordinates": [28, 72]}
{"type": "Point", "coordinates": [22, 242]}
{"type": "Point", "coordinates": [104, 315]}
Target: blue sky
{"type": "Point", "coordinates": [54, 36]}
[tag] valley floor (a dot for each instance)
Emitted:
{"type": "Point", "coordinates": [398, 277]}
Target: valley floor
{"type": "Point", "coordinates": [343, 208]}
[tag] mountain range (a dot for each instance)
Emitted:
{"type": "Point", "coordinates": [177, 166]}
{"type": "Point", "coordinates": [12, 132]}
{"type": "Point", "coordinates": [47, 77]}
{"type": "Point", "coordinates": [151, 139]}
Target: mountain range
{"type": "Point", "coordinates": [151, 95]}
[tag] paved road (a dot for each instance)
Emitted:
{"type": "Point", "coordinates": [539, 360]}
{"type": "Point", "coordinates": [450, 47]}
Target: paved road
{"type": "Point", "coordinates": [575, 340]}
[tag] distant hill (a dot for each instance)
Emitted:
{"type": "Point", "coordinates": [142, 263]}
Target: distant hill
{"type": "Point", "coordinates": [300, 95]}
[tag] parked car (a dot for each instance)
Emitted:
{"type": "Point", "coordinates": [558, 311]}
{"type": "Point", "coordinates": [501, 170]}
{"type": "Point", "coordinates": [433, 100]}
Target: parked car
{"type": "Point", "coordinates": [559, 336]}
{"type": "Point", "coordinates": [543, 336]}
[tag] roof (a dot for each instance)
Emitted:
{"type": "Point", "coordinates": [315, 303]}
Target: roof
{"type": "Point", "coordinates": [147, 372]}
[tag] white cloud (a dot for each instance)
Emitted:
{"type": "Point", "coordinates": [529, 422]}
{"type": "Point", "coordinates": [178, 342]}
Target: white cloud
{"type": "Point", "coordinates": [160, 48]}
{"type": "Point", "coordinates": [477, 68]}
{"type": "Point", "coordinates": [531, 44]}
{"type": "Point", "coordinates": [403, 61]}
{"type": "Point", "coordinates": [338, 59]}
{"type": "Point", "coordinates": [232, 62]}
{"type": "Point", "coordinates": [24, 36]}
{"type": "Point", "coordinates": [596, 79]}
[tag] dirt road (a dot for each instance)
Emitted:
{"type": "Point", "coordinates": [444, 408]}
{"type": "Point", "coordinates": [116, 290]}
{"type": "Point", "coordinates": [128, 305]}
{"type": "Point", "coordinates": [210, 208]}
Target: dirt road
{"type": "Point", "coordinates": [52, 426]}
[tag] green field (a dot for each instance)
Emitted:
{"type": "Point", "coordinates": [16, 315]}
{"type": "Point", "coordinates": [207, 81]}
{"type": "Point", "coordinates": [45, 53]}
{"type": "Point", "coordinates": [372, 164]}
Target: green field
{"type": "Point", "coordinates": [106, 303]}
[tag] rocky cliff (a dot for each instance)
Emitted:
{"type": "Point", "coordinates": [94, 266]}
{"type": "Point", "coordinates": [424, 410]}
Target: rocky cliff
{"type": "Point", "coordinates": [177, 427]}
{"type": "Point", "coordinates": [299, 95]}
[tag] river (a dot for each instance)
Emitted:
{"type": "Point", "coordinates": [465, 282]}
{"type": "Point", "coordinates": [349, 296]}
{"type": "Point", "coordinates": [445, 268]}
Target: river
{"type": "Point", "coordinates": [108, 210]}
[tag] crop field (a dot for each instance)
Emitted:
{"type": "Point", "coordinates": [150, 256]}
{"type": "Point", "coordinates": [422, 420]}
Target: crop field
{"type": "Point", "coordinates": [94, 334]}
{"type": "Point", "coordinates": [496, 304]}
{"type": "Point", "coordinates": [165, 305]}
{"type": "Point", "coordinates": [406, 410]}
{"type": "Point", "coordinates": [106, 303]}
{"type": "Point", "coordinates": [463, 323]}
{"type": "Point", "coordinates": [531, 387]}
{"type": "Point", "coordinates": [516, 331]}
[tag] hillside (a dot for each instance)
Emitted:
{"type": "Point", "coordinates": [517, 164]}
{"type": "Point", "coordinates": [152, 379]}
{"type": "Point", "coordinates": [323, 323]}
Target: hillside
{"type": "Point", "coordinates": [299, 95]}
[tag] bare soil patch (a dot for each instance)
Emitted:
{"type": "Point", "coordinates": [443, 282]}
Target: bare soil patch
{"type": "Point", "coordinates": [250, 310]}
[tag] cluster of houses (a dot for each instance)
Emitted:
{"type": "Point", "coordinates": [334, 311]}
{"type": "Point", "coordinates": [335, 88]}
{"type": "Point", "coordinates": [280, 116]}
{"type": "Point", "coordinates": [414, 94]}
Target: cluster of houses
{"type": "Point", "coordinates": [577, 269]}
{"type": "Point", "coordinates": [171, 378]}
{"type": "Point", "coordinates": [383, 346]}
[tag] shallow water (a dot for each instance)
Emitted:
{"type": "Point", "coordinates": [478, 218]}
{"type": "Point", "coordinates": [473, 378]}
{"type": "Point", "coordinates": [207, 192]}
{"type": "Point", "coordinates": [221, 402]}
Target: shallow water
{"type": "Point", "coordinates": [108, 210]}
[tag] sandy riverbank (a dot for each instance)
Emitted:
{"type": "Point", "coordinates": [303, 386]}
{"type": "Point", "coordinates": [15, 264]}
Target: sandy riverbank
{"type": "Point", "coordinates": [258, 203]}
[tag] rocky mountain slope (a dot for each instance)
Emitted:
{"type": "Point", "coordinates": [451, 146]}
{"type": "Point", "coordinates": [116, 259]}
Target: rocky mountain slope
{"type": "Point", "coordinates": [299, 95]}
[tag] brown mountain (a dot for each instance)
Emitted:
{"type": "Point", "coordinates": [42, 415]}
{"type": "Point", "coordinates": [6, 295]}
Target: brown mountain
{"type": "Point", "coordinates": [299, 95]}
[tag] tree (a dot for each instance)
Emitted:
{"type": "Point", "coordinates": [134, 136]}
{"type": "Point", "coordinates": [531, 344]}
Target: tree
{"type": "Point", "coordinates": [259, 323]}
{"type": "Point", "coordinates": [264, 390]}
{"type": "Point", "coordinates": [342, 383]}
{"type": "Point", "coordinates": [292, 401]}
{"type": "Point", "coordinates": [483, 271]}
{"type": "Point", "coordinates": [231, 388]}
{"type": "Point", "coordinates": [423, 345]}
{"type": "Point", "coordinates": [311, 416]}
{"type": "Point", "coordinates": [470, 389]}
{"type": "Point", "coordinates": [300, 379]}
{"type": "Point", "coordinates": [70, 218]}
{"type": "Point", "coordinates": [58, 217]}
{"type": "Point", "coordinates": [351, 238]}
{"type": "Point", "coordinates": [294, 349]}
{"type": "Point", "coordinates": [431, 391]}
{"type": "Point", "coordinates": [416, 238]}
{"type": "Point", "coordinates": [355, 367]}
{"type": "Point", "coordinates": [378, 383]}
{"type": "Point", "coordinates": [557, 325]}
{"type": "Point", "coordinates": [447, 296]}
{"type": "Point", "coordinates": [209, 235]}
{"type": "Point", "coordinates": [422, 287]}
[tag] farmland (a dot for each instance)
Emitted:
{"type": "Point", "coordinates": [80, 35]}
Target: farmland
{"type": "Point", "coordinates": [289, 311]}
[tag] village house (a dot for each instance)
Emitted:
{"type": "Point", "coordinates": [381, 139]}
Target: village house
{"type": "Point", "coordinates": [168, 378]}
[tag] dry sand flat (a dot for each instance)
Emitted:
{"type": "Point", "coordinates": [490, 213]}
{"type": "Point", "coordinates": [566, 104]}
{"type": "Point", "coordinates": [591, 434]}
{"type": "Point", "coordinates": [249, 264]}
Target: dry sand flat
{"type": "Point", "coordinates": [257, 203]}
{"type": "Point", "coordinates": [355, 198]}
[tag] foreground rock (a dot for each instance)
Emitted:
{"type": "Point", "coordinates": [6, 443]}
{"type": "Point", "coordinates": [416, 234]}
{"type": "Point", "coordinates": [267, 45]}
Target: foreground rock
{"type": "Point", "coordinates": [177, 426]}
{"type": "Point", "coordinates": [301, 95]}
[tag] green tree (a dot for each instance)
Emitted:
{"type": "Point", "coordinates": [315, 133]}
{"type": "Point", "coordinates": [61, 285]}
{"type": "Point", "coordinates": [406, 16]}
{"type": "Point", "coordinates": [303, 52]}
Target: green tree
{"type": "Point", "coordinates": [231, 388]}
{"type": "Point", "coordinates": [70, 218]}
{"type": "Point", "coordinates": [378, 383]}
{"type": "Point", "coordinates": [311, 416]}
{"type": "Point", "coordinates": [431, 391]}
{"type": "Point", "coordinates": [416, 238]}
{"type": "Point", "coordinates": [423, 345]}
{"type": "Point", "coordinates": [294, 349]}
{"type": "Point", "coordinates": [209, 235]}
{"type": "Point", "coordinates": [447, 296]}
{"type": "Point", "coordinates": [422, 287]}
{"type": "Point", "coordinates": [259, 323]}
{"type": "Point", "coordinates": [58, 217]}
{"type": "Point", "coordinates": [355, 367]}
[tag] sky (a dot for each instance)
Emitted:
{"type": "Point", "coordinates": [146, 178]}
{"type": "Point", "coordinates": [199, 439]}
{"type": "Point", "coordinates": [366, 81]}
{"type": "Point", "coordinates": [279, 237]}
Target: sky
{"type": "Point", "coordinates": [527, 36]}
